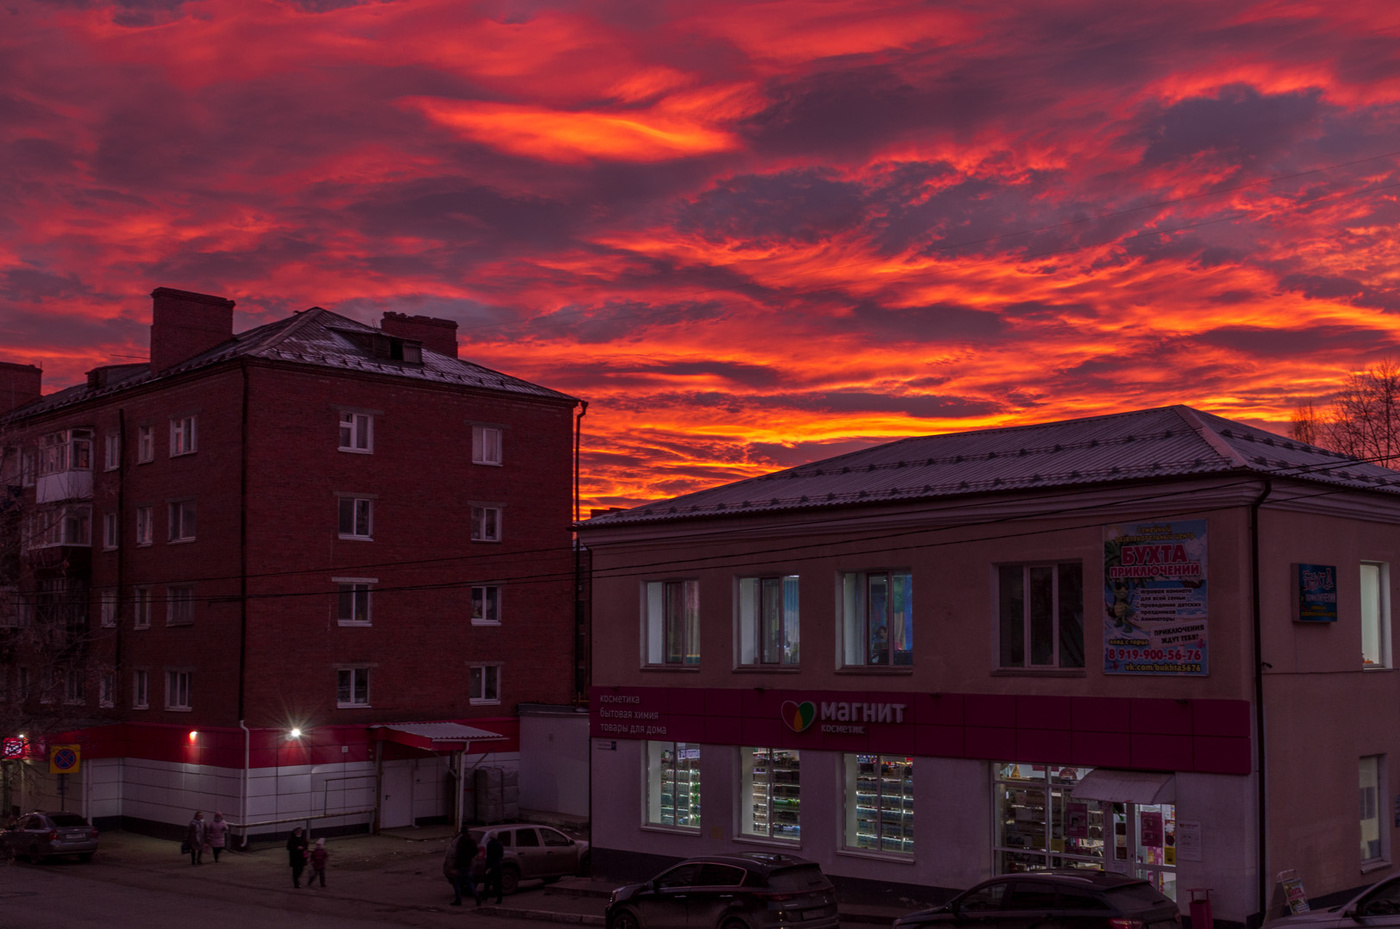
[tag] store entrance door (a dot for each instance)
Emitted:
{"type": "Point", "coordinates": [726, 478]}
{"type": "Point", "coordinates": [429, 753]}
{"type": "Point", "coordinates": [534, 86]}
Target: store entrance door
{"type": "Point", "coordinates": [1151, 839]}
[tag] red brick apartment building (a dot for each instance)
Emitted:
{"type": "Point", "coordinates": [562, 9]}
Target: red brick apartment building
{"type": "Point", "coordinates": [306, 572]}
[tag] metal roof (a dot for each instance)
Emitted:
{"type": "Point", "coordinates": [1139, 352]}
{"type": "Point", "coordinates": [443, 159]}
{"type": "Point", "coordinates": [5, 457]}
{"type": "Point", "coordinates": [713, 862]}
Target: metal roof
{"type": "Point", "coordinates": [1167, 442]}
{"type": "Point", "coordinates": [316, 337]}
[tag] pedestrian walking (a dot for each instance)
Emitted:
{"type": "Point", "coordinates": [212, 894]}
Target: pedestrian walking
{"type": "Point", "coordinates": [296, 855]}
{"type": "Point", "coordinates": [495, 853]}
{"type": "Point", "coordinates": [217, 833]}
{"type": "Point", "coordinates": [195, 837]}
{"type": "Point", "coordinates": [319, 857]}
{"type": "Point", "coordinates": [463, 860]}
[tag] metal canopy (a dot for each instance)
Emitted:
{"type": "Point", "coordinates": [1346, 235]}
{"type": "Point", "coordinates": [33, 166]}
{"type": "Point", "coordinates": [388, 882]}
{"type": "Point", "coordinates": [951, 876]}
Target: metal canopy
{"type": "Point", "coordinates": [1127, 786]}
{"type": "Point", "coordinates": [438, 736]}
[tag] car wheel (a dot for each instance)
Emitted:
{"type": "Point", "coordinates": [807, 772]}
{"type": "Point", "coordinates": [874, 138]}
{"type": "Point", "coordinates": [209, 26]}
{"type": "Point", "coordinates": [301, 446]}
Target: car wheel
{"type": "Point", "coordinates": [624, 919]}
{"type": "Point", "coordinates": [734, 924]}
{"type": "Point", "coordinates": [510, 881]}
{"type": "Point", "coordinates": [34, 856]}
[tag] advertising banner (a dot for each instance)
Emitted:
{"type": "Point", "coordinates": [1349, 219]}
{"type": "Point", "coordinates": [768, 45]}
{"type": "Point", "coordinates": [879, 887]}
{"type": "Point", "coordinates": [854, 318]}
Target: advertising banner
{"type": "Point", "coordinates": [1155, 616]}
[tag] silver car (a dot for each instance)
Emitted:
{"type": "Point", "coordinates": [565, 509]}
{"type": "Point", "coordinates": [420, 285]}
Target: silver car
{"type": "Point", "coordinates": [1377, 905]}
{"type": "Point", "coordinates": [530, 853]}
{"type": "Point", "coordinates": [42, 835]}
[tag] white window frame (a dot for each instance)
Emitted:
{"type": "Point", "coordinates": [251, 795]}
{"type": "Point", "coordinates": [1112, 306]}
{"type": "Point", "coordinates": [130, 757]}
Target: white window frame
{"type": "Point", "coordinates": [770, 789]}
{"type": "Point", "coordinates": [1034, 628]}
{"type": "Point", "coordinates": [145, 444]}
{"type": "Point", "coordinates": [671, 617]}
{"type": "Point", "coordinates": [861, 620]}
{"type": "Point", "coordinates": [111, 530]}
{"type": "Point", "coordinates": [354, 602]}
{"type": "Point", "coordinates": [179, 605]}
{"type": "Point", "coordinates": [677, 765]}
{"type": "Point", "coordinates": [107, 689]}
{"type": "Point", "coordinates": [145, 525]}
{"type": "Point", "coordinates": [486, 605]}
{"type": "Point", "coordinates": [107, 609]}
{"type": "Point", "coordinates": [358, 679]}
{"type": "Point", "coordinates": [484, 684]}
{"type": "Point", "coordinates": [486, 522]}
{"type": "Point", "coordinates": [356, 432]}
{"type": "Point", "coordinates": [769, 604]}
{"type": "Point", "coordinates": [182, 524]}
{"type": "Point", "coordinates": [141, 607]}
{"type": "Point", "coordinates": [857, 800]}
{"type": "Point", "coordinates": [64, 451]}
{"type": "Point", "coordinates": [184, 436]}
{"type": "Point", "coordinates": [1375, 834]}
{"type": "Point", "coordinates": [179, 685]}
{"type": "Point", "coordinates": [487, 444]}
{"type": "Point", "coordinates": [111, 451]}
{"type": "Point", "coordinates": [140, 689]}
{"type": "Point", "coordinates": [355, 511]}
{"type": "Point", "coordinates": [1375, 615]}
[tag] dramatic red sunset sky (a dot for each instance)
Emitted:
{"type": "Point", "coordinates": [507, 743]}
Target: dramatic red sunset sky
{"type": "Point", "coordinates": [750, 234]}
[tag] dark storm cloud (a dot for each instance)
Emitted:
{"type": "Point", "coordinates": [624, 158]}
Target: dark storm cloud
{"type": "Point", "coordinates": [1355, 292]}
{"type": "Point", "coordinates": [791, 206]}
{"type": "Point", "coordinates": [925, 324]}
{"type": "Point", "coordinates": [1299, 343]}
{"type": "Point", "coordinates": [1240, 127]}
{"type": "Point", "coordinates": [23, 285]}
{"type": "Point", "coordinates": [918, 407]}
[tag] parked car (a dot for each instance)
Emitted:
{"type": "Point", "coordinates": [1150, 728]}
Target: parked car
{"type": "Point", "coordinates": [1377, 905]}
{"type": "Point", "coordinates": [751, 890]}
{"type": "Point", "coordinates": [529, 853]}
{"type": "Point", "coordinates": [1069, 898]}
{"type": "Point", "coordinates": [42, 835]}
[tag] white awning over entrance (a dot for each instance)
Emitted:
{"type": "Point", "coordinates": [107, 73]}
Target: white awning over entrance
{"type": "Point", "coordinates": [1127, 786]}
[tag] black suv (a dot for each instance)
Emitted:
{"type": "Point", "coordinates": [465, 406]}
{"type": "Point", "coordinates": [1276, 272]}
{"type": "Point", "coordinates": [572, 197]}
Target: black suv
{"type": "Point", "coordinates": [751, 890]}
{"type": "Point", "coordinates": [1069, 898]}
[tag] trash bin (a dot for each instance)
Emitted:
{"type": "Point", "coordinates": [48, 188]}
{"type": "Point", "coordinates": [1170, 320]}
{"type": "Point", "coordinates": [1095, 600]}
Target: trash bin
{"type": "Point", "coordinates": [1201, 916]}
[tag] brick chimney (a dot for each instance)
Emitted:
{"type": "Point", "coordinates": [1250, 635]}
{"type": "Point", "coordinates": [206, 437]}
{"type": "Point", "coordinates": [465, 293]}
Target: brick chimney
{"type": "Point", "coordinates": [437, 335]}
{"type": "Point", "coordinates": [184, 324]}
{"type": "Point", "coordinates": [19, 384]}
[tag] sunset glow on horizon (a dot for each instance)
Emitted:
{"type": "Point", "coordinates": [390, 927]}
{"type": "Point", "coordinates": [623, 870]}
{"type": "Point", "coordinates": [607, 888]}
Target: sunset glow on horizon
{"type": "Point", "coordinates": [749, 234]}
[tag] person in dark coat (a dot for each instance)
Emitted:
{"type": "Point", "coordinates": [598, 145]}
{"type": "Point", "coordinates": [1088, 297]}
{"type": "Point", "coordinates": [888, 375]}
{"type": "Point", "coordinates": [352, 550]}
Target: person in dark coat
{"type": "Point", "coordinates": [296, 854]}
{"type": "Point", "coordinates": [495, 853]}
{"type": "Point", "coordinates": [464, 861]}
{"type": "Point", "coordinates": [195, 836]}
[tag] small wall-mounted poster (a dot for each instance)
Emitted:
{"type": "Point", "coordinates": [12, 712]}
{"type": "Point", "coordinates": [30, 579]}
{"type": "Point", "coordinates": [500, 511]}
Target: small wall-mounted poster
{"type": "Point", "coordinates": [1315, 593]}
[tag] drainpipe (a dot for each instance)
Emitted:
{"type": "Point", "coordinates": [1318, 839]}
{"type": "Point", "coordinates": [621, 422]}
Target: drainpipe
{"type": "Point", "coordinates": [243, 608]}
{"type": "Point", "coordinates": [243, 780]}
{"type": "Point", "coordinates": [580, 625]}
{"type": "Point", "coordinates": [1259, 700]}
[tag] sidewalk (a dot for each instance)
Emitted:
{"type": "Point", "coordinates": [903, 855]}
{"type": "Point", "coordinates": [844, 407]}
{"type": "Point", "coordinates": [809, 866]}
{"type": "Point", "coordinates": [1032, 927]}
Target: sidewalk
{"type": "Point", "coordinates": [399, 867]}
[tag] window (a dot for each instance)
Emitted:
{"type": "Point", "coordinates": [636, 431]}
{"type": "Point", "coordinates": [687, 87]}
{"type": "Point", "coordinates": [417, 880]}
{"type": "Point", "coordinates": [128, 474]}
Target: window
{"type": "Point", "coordinates": [1038, 823]}
{"type": "Point", "coordinates": [880, 803]}
{"type": "Point", "coordinates": [29, 467]}
{"type": "Point", "coordinates": [179, 605]}
{"type": "Point", "coordinates": [182, 521]}
{"type": "Point", "coordinates": [770, 803]}
{"type": "Point", "coordinates": [878, 619]}
{"type": "Point", "coordinates": [111, 530]}
{"type": "Point", "coordinates": [673, 784]}
{"type": "Point", "coordinates": [356, 518]}
{"type": "Point", "coordinates": [484, 683]}
{"type": "Point", "coordinates": [673, 622]}
{"type": "Point", "coordinates": [486, 605]}
{"type": "Point", "coordinates": [486, 524]}
{"type": "Point", "coordinates": [768, 620]}
{"type": "Point", "coordinates": [1372, 844]}
{"type": "Point", "coordinates": [486, 445]}
{"type": "Point", "coordinates": [74, 687]}
{"type": "Point", "coordinates": [1041, 615]}
{"type": "Point", "coordinates": [107, 689]}
{"type": "Point", "coordinates": [182, 436]}
{"type": "Point", "coordinates": [63, 525]}
{"type": "Point", "coordinates": [21, 684]}
{"type": "Point", "coordinates": [10, 612]}
{"type": "Point", "coordinates": [111, 451]}
{"type": "Point", "coordinates": [145, 444]}
{"type": "Point", "coordinates": [1375, 615]}
{"type": "Point", "coordinates": [141, 607]}
{"type": "Point", "coordinates": [352, 687]}
{"type": "Point", "coordinates": [357, 433]}
{"type": "Point", "coordinates": [109, 609]}
{"type": "Point", "coordinates": [177, 690]}
{"type": "Point", "coordinates": [140, 689]}
{"type": "Point", "coordinates": [69, 450]}
{"type": "Point", "coordinates": [352, 604]}
{"type": "Point", "coordinates": [145, 530]}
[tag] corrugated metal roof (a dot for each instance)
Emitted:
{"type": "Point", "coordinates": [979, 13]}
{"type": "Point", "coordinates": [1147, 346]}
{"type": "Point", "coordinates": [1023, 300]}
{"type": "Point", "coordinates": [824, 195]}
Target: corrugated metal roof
{"type": "Point", "coordinates": [316, 337]}
{"type": "Point", "coordinates": [1174, 441]}
{"type": "Point", "coordinates": [443, 732]}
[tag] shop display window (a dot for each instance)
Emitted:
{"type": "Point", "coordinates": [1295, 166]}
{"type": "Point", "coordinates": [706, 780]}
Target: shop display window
{"type": "Point", "coordinates": [673, 784]}
{"type": "Point", "coordinates": [771, 790]}
{"type": "Point", "coordinates": [880, 803]}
